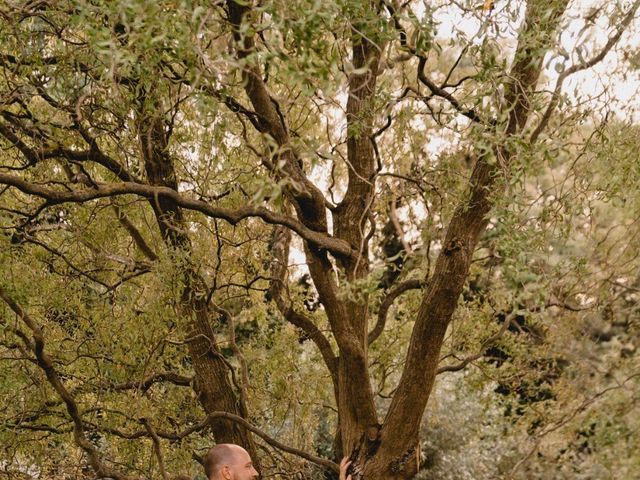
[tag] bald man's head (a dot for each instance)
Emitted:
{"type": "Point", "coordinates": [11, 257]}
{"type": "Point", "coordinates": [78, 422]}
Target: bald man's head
{"type": "Point", "coordinates": [227, 461]}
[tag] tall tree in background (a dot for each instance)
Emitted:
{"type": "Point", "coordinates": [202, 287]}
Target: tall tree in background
{"type": "Point", "coordinates": [143, 141]}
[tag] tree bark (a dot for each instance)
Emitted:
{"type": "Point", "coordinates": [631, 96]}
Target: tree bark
{"type": "Point", "coordinates": [391, 450]}
{"type": "Point", "coordinates": [348, 319]}
{"type": "Point", "coordinates": [398, 454]}
{"type": "Point", "coordinates": [215, 392]}
{"type": "Point", "coordinates": [358, 417]}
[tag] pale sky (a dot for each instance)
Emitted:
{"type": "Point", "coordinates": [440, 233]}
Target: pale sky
{"type": "Point", "coordinates": [591, 39]}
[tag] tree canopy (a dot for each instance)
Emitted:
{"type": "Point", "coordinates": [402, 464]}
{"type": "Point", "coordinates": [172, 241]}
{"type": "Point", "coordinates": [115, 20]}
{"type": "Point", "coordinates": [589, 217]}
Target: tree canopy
{"type": "Point", "coordinates": [403, 232]}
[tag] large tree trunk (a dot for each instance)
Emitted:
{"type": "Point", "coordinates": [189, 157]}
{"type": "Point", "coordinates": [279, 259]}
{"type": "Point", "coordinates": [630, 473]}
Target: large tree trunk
{"type": "Point", "coordinates": [215, 392]}
{"type": "Point", "coordinates": [398, 454]}
{"type": "Point", "coordinates": [358, 417]}
{"type": "Point", "coordinates": [348, 319]}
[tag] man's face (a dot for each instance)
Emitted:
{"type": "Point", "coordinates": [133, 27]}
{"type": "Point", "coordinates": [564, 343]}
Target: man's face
{"type": "Point", "coordinates": [241, 467]}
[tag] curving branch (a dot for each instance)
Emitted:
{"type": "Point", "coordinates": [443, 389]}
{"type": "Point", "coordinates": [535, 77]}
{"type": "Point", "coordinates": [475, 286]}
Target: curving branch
{"type": "Point", "coordinates": [305, 324]}
{"type": "Point", "coordinates": [65, 259]}
{"type": "Point", "coordinates": [206, 423]}
{"type": "Point", "coordinates": [278, 291]}
{"type": "Point", "coordinates": [394, 293]}
{"type": "Point", "coordinates": [46, 364]}
{"type": "Point", "coordinates": [485, 344]}
{"type": "Point", "coordinates": [93, 154]}
{"type": "Point", "coordinates": [442, 93]}
{"type": "Point", "coordinates": [135, 234]}
{"type": "Point", "coordinates": [321, 240]}
{"type": "Point", "coordinates": [308, 200]}
{"type": "Point", "coordinates": [147, 382]}
{"type": "Point", "coordinates": [328, 464]}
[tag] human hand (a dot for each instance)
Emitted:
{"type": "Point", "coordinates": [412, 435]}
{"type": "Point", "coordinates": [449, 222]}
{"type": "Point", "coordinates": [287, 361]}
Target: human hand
{"type": "Point", "coordinates": [344, 465]}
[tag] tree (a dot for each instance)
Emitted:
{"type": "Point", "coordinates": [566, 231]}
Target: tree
{"type": "Point", "coordinates": [141, 140]}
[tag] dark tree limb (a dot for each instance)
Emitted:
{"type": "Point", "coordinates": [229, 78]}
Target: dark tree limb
{"type": "Point", "coordinates": [135, 234]}
{"type": "Point", "coordinates": [440, 298]}
{"type": "Point", "coordinates": [485, 344]}
{"type": "Point", "coordinates": [45, 362]}
{"type": "Point", "coordinates": [206, 423]}
{"type": "Point", "coordinates": [358, 417]}
{"type": "Point", "coordinates": [93, 154]}
{"type": "Point", "coordinates": [278, 291]}
{"type": "Point", "coordinates": [394, 293]}
{"type": "Point", "coordinates": [147, 382]}
{"type": "Point", "coordinates": [441, 92]}
{"type": "Point", "coordinates": [276, 444]}
{"type": "Point", "coordinates": [322, 240]}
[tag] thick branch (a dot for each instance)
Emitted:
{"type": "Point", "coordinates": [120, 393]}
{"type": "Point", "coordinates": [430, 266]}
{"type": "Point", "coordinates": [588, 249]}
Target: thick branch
{"type": "Point", "coordinates": [93, 154]}
{"type": "Point", "coordinates": [147, 382]}
{"type": "Point", "coordinates": [135, 234]}
{"type": "Point", "coordinates": [356, 406]}
{"type": "Point", "coordinates": [306, 197]}
{"type": "Point", "coordinates": [467, 224]}
{"type": "Point", "coordinates": [321, 240]}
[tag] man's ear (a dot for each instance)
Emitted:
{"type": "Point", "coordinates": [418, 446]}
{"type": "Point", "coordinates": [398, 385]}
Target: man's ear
{"type": "Point", "coordinates": [226, 472]}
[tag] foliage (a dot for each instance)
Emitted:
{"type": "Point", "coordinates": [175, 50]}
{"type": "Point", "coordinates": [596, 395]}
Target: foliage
{"type": "Point", "coordinates": [538, 363]}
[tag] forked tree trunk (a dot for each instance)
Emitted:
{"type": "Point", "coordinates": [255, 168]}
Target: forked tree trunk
{"type": "Point", "coordinates": [391, 450]}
